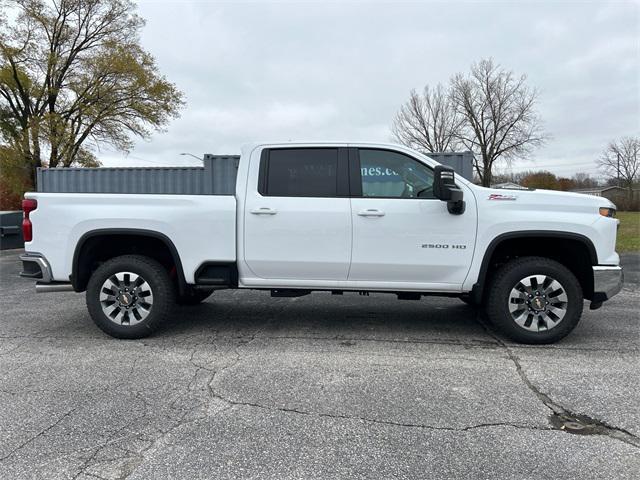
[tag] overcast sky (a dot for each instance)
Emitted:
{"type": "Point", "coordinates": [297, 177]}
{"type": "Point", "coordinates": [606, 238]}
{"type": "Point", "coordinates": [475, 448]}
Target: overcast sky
{"type": "Point", "coordinates": [339, 71]}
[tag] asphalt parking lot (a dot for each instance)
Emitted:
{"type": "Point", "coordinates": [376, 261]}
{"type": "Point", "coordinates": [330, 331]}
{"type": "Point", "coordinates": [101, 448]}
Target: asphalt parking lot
{"type": "Point", "coordinates": [248, 386]}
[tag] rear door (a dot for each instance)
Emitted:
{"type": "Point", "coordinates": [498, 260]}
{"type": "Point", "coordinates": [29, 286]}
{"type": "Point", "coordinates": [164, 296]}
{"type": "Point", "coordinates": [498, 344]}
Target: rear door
{"type": "Point", "coordinates": [401, 232]}
{"type": "Point", "coordinates": [297, 223]}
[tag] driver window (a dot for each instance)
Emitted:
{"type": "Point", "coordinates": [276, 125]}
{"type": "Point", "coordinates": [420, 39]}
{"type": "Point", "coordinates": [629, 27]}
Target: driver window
{"type": "Point", "coordinates": [391, 174]}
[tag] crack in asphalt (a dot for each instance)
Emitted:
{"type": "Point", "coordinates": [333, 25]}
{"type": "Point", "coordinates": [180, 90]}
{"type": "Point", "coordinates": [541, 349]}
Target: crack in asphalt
{"type": "Point", "coordinates": [157, 438]}
{"type": "Point", "coordinates": [378, 421]}
{"type": "Point", "coordinates": [39, 434]}
{"type": "Point", "coordinates": [136, 458]}
{"type": "Point", "coordinates": [475, 343]}
{"type": "Point", "coordinates": [557, 409]}
{"type": "Point", "coordinates": [561, 416]}
{"type": "Point", "coordinates": [215, 394]}
{"type": "Point", "coordinates": [82, 469]}
{"type": "Point", "coordinates": [111, 439]}
{"type": "Point", "coordinates": [93, 475]}
{"type": "Point", "coordinates": [184, 418]}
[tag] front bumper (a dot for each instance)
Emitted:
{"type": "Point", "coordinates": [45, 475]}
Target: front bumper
{"type": "Point", "coordinates": [607, 281]}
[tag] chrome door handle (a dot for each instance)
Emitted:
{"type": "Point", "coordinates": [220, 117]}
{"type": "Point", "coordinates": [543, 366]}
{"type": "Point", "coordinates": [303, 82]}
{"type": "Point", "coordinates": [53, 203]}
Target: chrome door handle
{"type": "Point", "coordinates": [264, 211]}
{"type": "Point", "coordinates": [371, 212]}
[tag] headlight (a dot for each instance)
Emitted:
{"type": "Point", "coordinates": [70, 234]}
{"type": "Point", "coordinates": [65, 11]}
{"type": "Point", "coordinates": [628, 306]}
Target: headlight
{"type": "Point", "coordinates": [607, 212]}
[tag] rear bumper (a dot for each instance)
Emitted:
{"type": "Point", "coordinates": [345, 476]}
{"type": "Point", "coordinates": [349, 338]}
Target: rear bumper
{"type": "Point", "coordinates": [36, 266]}
{"type": "Point", "coordinates": [607, 282]}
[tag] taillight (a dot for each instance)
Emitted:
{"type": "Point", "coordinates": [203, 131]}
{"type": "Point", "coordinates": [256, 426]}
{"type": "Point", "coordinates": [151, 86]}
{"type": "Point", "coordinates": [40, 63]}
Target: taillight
{"type": "Point", "coordinates": [28, 206]}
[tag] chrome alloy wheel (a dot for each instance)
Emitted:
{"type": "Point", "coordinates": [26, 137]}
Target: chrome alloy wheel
{"type": "Point", "coordinates": [126, 298]}
{"type": "Point", "coordinates": [538, 303]}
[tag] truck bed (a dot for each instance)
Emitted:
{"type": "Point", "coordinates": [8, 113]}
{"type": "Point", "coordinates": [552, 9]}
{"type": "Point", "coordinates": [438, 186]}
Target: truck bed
{"type": "Point", "coordinates": [201, 227]}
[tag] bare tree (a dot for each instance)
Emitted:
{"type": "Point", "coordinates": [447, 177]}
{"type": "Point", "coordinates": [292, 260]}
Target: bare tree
{"type": "Point", "coordinates": [499, 116]}
{"type": "Point", "coordinates": [621, 161]}
{"type": "Point", "coordinates": [584, 180]}
{"type": "Point", "coordinates": [428, 122]}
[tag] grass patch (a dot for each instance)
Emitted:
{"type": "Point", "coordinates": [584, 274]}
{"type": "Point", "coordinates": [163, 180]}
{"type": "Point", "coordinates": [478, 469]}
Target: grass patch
{"type": "Point", "coordinates": [629, 232]}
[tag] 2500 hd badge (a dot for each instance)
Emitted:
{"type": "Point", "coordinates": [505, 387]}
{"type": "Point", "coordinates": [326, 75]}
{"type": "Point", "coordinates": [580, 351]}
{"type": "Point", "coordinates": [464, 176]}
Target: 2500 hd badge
{"type": "Point", "coordinates": [443, 246]}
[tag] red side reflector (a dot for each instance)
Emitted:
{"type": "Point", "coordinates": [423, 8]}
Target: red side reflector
{"type": "Point", "coordinates": [28, 206]}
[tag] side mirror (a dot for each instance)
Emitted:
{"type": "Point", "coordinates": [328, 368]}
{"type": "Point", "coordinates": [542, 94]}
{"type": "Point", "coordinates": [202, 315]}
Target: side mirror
{"type": "Point", "coordinates": [445, 189]}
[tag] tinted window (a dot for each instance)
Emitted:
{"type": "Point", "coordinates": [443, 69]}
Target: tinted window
{"type": "Point", "coordinates": [392, 174]}
{"type": "Point", "coordinates": [302, 172]}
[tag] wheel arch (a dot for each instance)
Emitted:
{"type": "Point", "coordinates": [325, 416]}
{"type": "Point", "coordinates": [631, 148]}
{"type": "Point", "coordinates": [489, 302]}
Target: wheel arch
{"type": "Point", "coordinates": [87, 251]}
{"type": "Point", "coordinates": [570, 249]}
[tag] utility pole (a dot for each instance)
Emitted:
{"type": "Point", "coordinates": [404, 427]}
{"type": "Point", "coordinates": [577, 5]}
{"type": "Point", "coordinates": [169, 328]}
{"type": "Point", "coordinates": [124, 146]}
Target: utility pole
{"type": "Point", "coordinates": [618, 168]}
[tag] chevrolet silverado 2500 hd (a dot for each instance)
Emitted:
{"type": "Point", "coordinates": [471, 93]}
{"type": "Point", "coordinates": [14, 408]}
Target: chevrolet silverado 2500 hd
{"type": "Point", "coordinates": [336, 217]}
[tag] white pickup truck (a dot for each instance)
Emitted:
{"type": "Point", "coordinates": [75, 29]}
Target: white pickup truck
{"type": "Point", "coordinates": [338, 217]}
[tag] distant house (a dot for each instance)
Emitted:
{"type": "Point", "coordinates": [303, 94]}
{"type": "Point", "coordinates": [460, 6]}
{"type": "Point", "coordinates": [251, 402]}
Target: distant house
{"type": "Point", "coordinates": [509, 185]}
{"type": "Point", "coordinates": [618, 195]}
{"type": "Point", "coordinates": [606, 192]}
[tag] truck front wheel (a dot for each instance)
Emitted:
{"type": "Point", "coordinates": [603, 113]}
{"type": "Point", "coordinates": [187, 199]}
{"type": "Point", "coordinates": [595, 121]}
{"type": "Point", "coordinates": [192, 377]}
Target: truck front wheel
{"type": "Point", "coordinates": [534, 300]}
{"type": "Point", "coordinates": [130, 296]}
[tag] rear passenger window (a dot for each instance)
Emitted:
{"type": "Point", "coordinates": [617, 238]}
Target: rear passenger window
{"type": "Point", "coordinates": [302, 172]}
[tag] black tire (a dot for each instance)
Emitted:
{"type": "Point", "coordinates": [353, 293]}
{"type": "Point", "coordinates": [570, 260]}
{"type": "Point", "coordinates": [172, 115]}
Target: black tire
{"type": "Point", "coordinates": [193, 296]}
{"type": "Point", "coordinates": [157, 281]}
{"type": "Point", "coordinates": [499, 299]}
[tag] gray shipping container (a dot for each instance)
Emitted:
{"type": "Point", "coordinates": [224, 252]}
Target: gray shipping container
{"type": "Point", "coordinates": [461, 162]}
{"type": "Point", "coordinates": [217, 176]}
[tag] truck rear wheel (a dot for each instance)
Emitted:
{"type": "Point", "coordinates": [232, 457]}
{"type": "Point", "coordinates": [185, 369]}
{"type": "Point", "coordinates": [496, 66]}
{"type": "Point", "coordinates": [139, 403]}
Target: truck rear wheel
{"type": "Point", "coordinates": [535, 300]}
{"type": "Point", "coordinates": [130, 296]}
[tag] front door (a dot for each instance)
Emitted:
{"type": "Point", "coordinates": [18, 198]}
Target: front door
{"type": "Point", "coordinates": [298, 222]}
{"type": "Point", "coordinates": [402, 234]}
